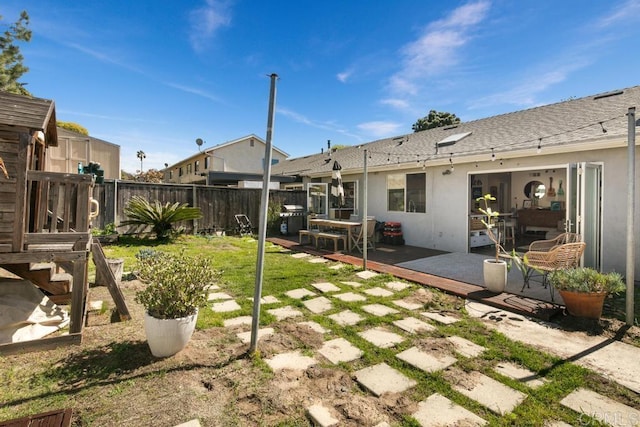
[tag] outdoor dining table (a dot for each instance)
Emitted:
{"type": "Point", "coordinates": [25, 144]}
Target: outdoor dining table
{"type": "Point", "coordinates": [334, 223]}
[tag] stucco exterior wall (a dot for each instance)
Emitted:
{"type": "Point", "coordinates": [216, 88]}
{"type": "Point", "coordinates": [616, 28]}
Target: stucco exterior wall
{"type": "Point", "coordinates": [242, 157]}
{"type": "Point", "coordinates": [444, 226]}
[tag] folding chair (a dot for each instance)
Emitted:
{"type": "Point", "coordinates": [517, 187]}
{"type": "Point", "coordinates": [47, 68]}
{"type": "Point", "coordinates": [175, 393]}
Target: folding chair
{"type": "Point", "coordinates": [244, 225]}
{"type": "Point", "coordinates": [358, 240]}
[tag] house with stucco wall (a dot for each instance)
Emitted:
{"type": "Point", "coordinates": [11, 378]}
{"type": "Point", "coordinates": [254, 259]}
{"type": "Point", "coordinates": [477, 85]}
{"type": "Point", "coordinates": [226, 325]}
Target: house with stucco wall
{"type": "Point", "coordinates": [239, 162]}
{"type": "Point", "coordinates": [555, 167]}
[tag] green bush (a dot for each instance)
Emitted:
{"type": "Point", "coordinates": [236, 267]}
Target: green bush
{"type": "Point", "coordinates": [177, 284]}
{"type": "Point", "coordinates": [158, 216]}
{"type": "Point", "coordinates": [584, 279]}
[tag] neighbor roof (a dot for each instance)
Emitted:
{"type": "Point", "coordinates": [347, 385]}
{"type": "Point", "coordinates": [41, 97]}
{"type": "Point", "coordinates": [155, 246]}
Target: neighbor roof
{"type": "Point", "coordinates": [554, 127]}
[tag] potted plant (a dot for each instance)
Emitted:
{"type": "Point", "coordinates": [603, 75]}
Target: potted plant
{"type": "Point", "coordinates": [584, 289]}
{"type": "Point", "coordinates": [495, 269]}
{"type": "Point", "coordinates": [177, 286]}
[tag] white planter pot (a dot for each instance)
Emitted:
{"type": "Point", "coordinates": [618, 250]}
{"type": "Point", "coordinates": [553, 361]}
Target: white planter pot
{"type": "Point", "coordinates": [495, 275]}
{"type": "Point", "coordinates": [166, 337]}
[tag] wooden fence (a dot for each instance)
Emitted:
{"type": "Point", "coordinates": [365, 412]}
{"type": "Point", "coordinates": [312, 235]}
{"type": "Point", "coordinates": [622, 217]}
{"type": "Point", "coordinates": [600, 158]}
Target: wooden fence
{"type": "Point", "coordinates": [219, 205]}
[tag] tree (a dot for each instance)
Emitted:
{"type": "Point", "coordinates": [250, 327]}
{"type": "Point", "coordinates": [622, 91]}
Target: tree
{"type": "Point", "coordinates": [435, 119]}
{"type": "Point", "coordinates": [73, 127]}
{"type": "Point", "coordinates": [11, 67]}
{"type": "Point", "coordinates": [152, 175]}
{"type": "Point", "coordinates": [141, 155]}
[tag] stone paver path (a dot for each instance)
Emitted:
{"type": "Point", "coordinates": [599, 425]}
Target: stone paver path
{"type": "Point", "coordinates": [378, 292]}
{"type": "Point", "coordinates": [413, 325]}
{"type": "Point", "coordinates": [382, 378]}
{"type": "Point", "coordinates": [379, 309]}
{"type": "Point", "coordinates": [226, 306]}
{"type": "Point", "coordinates": [439, 317]}
{"type": "Point", "coordinates": [299, 293]}
{"type": "Point", "coordinates": [318, 305]}
{"type": "Point", "coordinates": [438, 411]}
{"type": "Point", "coordinates": [346, 318]}
{"type": "Point", "coordinates": [325, 287]}
{"type": "Point", "coordinates": [602, 408]}
{"type": "Point", "coordinates": [340, 350]}
{"type": "Point", "coordinates": [421, 348]}
{"type": "Point", "coordinates": [381, 337]}
{"type": "Point", "coordinates": [426, 361]}
{"type": "Point", "coordinates": [496, 396]}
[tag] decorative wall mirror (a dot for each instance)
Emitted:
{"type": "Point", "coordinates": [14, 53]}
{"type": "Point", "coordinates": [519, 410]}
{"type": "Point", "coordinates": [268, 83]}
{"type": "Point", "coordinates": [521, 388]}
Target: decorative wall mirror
{"type": "Point", "coordinates": [534, 189]}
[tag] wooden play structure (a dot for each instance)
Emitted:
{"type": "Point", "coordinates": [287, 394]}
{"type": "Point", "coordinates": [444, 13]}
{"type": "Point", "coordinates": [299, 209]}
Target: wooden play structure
{"type": "Point", "coordinates": [44, 216]}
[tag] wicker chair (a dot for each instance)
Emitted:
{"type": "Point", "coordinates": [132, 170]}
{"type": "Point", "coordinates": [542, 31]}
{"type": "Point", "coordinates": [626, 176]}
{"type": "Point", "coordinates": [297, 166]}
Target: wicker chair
{"type": "Point", "coordinates": [547, 245]}
{"type": "Point", "coordinates": [558, 257]}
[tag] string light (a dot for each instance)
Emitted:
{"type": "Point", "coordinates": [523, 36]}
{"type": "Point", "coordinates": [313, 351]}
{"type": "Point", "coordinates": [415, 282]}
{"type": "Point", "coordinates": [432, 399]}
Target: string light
{"type": "Point", "coordinates": [603, 129]}
{"type": "Point", "coordinates": [539, 149]}
{"type": "Point", "coordinates": [493, 155]}
{"type": "Point", "coordinates": [519, 144]}
{"type": "Point", "coordinates": [451, 161]}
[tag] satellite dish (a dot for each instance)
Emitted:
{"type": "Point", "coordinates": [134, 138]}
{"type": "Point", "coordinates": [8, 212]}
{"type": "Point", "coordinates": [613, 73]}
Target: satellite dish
{"type": "Point", "coordinates": [199, 141]}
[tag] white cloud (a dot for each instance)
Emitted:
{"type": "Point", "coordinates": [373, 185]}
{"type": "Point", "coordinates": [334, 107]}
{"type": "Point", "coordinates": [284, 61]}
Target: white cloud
{"type": "Point", "coordinates": [194, 91]}
{"type": "Point", "coordinates": [344, 76]}
{"type": "Point", "coordinates": [525, 95]}
{"type": "Point", "coordinates": [208, 19]}
{"type": "Point", "coordinates": [437, 49]}
{"type": "Point", "coordinates": [379, 129]}
{"type": "Point", "coordinates": [399, 104]}
{"type": "Point", "coordinates": [328, 126]}
{"type": "Point", "coordinates": [626, 12]}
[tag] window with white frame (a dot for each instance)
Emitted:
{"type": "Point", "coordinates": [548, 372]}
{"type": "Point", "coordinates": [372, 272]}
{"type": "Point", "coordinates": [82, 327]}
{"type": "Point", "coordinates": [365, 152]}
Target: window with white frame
{"type": "Point", "coordinates": [407, 192]}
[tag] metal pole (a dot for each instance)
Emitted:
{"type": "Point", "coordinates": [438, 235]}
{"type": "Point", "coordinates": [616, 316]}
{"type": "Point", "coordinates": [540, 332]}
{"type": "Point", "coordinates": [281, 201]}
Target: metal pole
{"type": "Point", "coordinates": [365, 212]}
{"type": "Point", "coordinates": [631, 176]}
{"type": "Point", "coordinates": [262, 231]}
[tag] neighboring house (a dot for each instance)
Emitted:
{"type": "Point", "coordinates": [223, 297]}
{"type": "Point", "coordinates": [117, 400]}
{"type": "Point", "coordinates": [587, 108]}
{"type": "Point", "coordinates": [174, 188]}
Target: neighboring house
{"type": "Point", "coordinates": [572, 154]}
{"type": "Point", "coordinates": [236, 163]}
{"type": "Point", "coordinates": [74, 148]}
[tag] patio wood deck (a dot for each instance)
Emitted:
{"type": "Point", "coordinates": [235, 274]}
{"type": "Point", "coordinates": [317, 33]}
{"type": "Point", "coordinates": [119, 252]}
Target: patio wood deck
{"type": "Point", "coordinates": [382, 260]}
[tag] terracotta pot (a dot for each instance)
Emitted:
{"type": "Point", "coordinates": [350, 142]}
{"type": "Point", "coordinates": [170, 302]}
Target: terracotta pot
{"type": "Point", "coordinates": [584, 304]}
{"type": "Point", "coordinates": [495, 275]}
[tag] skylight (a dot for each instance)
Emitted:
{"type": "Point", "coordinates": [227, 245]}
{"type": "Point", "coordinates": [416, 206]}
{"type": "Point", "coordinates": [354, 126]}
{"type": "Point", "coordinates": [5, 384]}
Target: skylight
{"type": "Point", "coordinates": [452, 139]}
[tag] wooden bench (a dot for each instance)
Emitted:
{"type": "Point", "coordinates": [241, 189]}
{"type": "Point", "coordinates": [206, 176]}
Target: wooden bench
{"type": "Point", "coordinates": [311, 234]}
{"type": "Point", "coordinates": [336, 237]}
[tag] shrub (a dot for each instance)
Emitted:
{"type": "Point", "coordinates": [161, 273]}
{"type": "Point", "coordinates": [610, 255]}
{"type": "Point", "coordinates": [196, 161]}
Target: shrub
{"type": "Point", "coordinates": [177, 285]}
{"type": "Point", "coordinates": [584, 279]}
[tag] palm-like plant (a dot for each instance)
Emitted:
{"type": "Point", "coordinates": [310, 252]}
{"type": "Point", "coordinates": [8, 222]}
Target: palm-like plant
{"type": "Point", "coordinates": [160, 217]}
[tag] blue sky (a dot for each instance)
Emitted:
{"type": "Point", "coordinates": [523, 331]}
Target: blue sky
{"type": "Point", "coordinates": [156, 75]}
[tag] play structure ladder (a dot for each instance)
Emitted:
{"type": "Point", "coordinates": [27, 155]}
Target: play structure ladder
{"type": "Point", "coordinates": [101, 264]}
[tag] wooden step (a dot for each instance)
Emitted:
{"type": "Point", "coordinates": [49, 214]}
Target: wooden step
{"type": "Point", "coordinates": [43, 276]}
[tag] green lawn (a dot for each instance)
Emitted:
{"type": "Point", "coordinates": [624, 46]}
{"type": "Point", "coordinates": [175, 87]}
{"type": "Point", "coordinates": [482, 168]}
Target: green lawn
{"type": "Point", "coordinates": [112, 373]}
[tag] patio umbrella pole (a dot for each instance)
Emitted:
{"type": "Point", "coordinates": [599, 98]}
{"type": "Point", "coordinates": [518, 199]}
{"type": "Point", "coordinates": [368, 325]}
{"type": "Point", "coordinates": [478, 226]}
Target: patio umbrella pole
{"type": "Point", "coordinates": [264, 205]}
{"type": "Point", "coordinates": [365, 212]}
{"type": "Point", "coordinates": [631, 173]}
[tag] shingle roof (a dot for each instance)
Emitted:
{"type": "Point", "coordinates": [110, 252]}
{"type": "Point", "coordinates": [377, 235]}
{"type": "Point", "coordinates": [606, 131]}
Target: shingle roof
{"type": "Point", "coordinates": [556, 125]}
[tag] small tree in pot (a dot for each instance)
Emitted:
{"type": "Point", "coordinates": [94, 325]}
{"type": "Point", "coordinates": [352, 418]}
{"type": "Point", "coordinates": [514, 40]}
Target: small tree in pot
{"type": "Point", "coordinates": [177, 286]}
{"type": "Point", "coordinates": [584, 289]}
{"type": "Point", "coordinates": [495, 270]}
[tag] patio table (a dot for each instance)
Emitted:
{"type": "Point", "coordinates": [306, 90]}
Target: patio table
{"type": "Point", "coordinates": [332, 223]}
